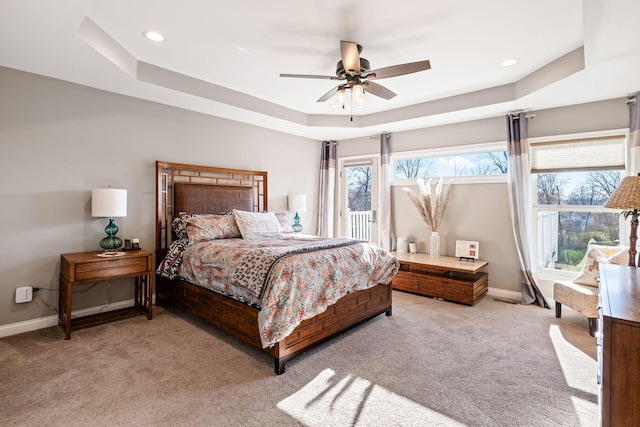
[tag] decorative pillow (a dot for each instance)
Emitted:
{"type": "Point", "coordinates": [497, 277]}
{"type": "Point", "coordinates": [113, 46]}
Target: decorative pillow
{"type": "Point", "coordinates": [257, 223]}
{"type": "Point", "coordinates": [210, 227]}
{"type": "Point", "coordinates": [170, 265]}
{"type": "Point", "coordinates": [284, 222]}
{"type": "Point", "coordinates": [596, 255]}
{"type": "Point", "coordinates": [180, 226]}
{"type": "Point", "coordinates": [179, 223]}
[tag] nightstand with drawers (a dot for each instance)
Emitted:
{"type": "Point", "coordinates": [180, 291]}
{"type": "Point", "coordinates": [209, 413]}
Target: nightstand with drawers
{"type": "Point", "coordinates": [90, 267]}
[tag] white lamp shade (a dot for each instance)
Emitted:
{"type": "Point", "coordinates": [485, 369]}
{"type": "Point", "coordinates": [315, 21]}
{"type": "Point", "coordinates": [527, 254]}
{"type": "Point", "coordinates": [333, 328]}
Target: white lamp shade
{"type": "Point", "coordinates": [298, 203]}
{"type": "Point", "coordinates": [108, 202]}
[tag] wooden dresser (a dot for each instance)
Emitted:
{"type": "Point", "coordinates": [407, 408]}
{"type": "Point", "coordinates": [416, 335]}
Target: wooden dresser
{"type": "Point", "coordinates": [444, 277]}
{"type": "Point", "coordinates": [619, 345]}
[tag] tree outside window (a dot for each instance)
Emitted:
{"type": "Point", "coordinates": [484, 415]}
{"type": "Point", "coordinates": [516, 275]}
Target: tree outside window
{"type": "Point", "coordinates": [566, 248]}
{"type": "Point", "coordinates": [359, 197]}
{"type": "Point", "coordinates": [473, 164]}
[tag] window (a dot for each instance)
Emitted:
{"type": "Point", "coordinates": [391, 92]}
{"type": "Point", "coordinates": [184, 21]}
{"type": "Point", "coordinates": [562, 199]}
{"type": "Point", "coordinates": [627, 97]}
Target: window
{"type": "Point", "coordinates": [468, 161]}
{"type": "Point", "coordinates": [573, 179]}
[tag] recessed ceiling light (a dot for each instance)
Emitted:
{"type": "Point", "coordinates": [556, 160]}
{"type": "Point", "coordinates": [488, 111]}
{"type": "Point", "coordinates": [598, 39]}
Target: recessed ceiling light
{"type": "Point", "coordinates": [509, 62]}
{"type": "Point", "coordinates": [152, 35]}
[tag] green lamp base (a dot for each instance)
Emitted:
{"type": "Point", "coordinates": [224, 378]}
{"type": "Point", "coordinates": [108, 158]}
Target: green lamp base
{"type": "Point", "coordinates": [297, 227]}
{"type": "Point", "coordinates": [111, 242]}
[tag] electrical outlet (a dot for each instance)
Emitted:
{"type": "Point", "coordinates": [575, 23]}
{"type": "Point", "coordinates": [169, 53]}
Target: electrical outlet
{"type": "Point", "coordinates": [24, 294]}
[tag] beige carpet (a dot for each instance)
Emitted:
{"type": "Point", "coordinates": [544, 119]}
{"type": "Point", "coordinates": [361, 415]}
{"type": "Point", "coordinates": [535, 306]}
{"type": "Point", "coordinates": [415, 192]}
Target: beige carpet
{"type": "Point", "coordinates": [431, 363]}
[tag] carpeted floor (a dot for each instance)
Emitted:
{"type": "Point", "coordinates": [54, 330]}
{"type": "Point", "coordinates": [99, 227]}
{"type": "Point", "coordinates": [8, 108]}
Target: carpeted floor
{"type": "Point", "coordinates": [431, 363]}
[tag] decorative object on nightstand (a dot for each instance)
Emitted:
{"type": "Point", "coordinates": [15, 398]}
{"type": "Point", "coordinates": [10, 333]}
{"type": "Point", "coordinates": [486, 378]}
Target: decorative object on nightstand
{"type": "Point", "coordinates": [431, 206]}
{"type": "Point", "coordinates": [109, 203]}
{"type": "Point", "coordinates": [297, 203]}
{"type": "Point", "coordinates": [467, 249]}
{"type": "Point", "coordinates": [627, 197]}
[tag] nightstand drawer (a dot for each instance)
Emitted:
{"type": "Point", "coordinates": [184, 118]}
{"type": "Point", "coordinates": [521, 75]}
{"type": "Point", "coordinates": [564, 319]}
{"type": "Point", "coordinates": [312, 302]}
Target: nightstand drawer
{"type": "Point", "coordinates": [109, 268]}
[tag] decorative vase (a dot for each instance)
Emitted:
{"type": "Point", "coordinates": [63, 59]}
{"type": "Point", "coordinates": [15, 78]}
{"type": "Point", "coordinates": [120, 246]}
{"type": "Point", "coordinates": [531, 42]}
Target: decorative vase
{"type": "Point", "coordinates": [434, 250]}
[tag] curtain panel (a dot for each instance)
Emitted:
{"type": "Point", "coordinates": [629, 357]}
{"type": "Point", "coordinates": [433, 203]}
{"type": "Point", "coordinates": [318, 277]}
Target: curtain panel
{"type": "Point", "coordinates": [386, 232]}
{"type": "Point", "coordinates": [634, 134]}
{"type": "Point", "coordinates": [520, 203]}
{"type": "Point", "coordinates": [327, 190]}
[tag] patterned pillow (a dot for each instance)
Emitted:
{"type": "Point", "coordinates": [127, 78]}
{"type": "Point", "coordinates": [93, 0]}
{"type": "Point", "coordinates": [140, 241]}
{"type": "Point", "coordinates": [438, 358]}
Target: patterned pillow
{"type": "Point", "coordinates": [180, 226]}
{"type": "Point", "coordinates": [284, 222]}
{"type": "Point", "coordinates": [179, 223]}
{"type": "Point", "coordinates": [596, 255]}
{"type": "Point", "coordinates": [257, 223]}
{"type": "Point", "coordinates": [170, 265]}
{"type": "Point", "coordinates": [210, 227]}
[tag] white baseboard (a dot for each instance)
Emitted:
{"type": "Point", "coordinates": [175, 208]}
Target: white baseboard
{"type": "Point", "coordinates": [503, 293]}
{"type": "Point", "coordinates": [49, 321]}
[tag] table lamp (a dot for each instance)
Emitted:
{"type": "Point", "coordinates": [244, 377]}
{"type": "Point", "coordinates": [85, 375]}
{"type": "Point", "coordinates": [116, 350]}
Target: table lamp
{"type": "Point", "coordinates": [627, 197]}
{"type": "Point", "coordinates": [109, 203]}
{"type": "Point", "coordinates": [297, 203]}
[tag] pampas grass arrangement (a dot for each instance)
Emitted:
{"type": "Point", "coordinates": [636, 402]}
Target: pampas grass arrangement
{"type": "Point", "coordinates": [430, 204]}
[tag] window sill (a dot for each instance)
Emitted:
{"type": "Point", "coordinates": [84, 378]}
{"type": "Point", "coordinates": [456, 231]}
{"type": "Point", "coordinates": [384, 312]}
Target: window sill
{"type": "Point", "coordinates": [551, 275]}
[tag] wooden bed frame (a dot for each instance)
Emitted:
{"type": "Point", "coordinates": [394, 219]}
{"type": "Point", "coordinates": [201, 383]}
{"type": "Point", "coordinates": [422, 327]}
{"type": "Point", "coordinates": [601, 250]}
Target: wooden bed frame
{"type": "Point", "coordinates": [216, 190]}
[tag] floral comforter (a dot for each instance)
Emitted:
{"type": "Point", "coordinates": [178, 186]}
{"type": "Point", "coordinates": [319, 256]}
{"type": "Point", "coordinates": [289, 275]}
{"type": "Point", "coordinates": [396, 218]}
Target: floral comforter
{"type": "Point", "coordinates": [290, 278]}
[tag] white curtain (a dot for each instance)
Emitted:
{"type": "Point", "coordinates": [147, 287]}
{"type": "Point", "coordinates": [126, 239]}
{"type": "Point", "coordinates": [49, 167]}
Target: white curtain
{"type": "Point", "coordinates": [634, 134]}
{"type": "Point", "coordinates": [327, 190]}
{"type": "Point", "coordinates": [520, 202]}
{"type": "Point", "coordinates": [386, 233]}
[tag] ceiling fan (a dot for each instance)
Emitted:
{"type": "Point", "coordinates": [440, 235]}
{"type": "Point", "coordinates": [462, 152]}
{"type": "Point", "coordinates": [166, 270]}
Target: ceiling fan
{"type": "Point", "coordinates": [357, 74]}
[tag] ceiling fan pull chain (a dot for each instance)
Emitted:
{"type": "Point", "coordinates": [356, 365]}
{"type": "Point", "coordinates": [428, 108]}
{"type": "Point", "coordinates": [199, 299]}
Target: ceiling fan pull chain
{"type": "Point", "coordinates": [351, 105]}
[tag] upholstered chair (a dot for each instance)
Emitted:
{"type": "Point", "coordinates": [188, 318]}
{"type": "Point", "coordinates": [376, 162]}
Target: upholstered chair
{"type": "Point", "coordinates": [581, 294]}
{"type": "Point", "coordinates": [581, 298]}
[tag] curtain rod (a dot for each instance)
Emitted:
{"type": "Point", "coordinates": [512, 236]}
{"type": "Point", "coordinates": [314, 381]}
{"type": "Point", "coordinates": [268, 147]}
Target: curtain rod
{"type": "Point", "coordinates": [527, 116]}
{"type": "Point", "coordinates": [632, 100]}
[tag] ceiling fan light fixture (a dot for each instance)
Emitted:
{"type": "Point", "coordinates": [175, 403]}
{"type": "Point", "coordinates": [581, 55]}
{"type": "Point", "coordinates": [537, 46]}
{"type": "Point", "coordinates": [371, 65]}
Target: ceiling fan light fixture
{"type": "Point", "coordinates": [357, 94]}
{"type": "Point", "coordinates": [339, 102]}
{"type": "Point", "coordinates": [154, 36]}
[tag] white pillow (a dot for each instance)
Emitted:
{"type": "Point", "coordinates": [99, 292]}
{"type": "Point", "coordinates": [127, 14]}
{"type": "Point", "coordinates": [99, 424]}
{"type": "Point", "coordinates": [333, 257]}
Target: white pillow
{"type": "Point", "coordinates": [596, 255]}
{"type": "Point", "coordinates": [257, 223]}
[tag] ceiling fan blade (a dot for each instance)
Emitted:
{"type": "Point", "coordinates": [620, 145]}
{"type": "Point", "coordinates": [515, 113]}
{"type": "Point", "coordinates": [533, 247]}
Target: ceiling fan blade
{"type": "Point", "coordinates": [398, 70]}
{"type": "Point", "coordinates": [310, 76]}
{"type": "Point", "coordinates": [378, 90]}
{"type": "Point", "coordinates": [350, 57]}
{"type": "Point", "coordinates": [328, 95]}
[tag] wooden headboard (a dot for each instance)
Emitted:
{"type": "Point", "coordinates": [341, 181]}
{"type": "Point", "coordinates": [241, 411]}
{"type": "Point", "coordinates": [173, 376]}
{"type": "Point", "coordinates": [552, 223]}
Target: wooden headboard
{"type": "Point", "coordinates": [204, 189]}
{"type": "Point", "coordinates": [210, 198]}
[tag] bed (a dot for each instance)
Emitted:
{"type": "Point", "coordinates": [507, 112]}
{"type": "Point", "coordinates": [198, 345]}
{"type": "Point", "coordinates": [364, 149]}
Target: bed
{"type": "Point", "coordinates": [185, 191]}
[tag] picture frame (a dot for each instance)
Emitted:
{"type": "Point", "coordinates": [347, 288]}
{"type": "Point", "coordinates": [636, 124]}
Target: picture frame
{"type": "Point", "coordinates": [467, 249]}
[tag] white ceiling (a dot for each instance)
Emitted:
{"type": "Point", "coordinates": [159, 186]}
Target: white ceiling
{"type": "Point", "coordinates": [224, 58]}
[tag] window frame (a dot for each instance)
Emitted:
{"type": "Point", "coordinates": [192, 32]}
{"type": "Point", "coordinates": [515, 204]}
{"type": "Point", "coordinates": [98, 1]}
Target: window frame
{"type": "Point", "coordinates": [479, 148]}
{"type": "Point", "coordinates": [551, 274]}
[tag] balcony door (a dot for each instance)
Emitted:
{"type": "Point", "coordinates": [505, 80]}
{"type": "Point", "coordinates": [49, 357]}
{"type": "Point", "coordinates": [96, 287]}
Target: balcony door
{"type": "Point", "coordinates": [358, 208]}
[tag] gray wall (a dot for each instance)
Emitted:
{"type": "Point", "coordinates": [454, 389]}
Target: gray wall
{"type": "Point", "coordinates": [481, 211]}
{"type": "Point", "coordinates": [59, 140]}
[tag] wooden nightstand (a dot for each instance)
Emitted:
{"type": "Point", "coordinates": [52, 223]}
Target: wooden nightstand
{"type": "Point", "coordinates": [87, 267]}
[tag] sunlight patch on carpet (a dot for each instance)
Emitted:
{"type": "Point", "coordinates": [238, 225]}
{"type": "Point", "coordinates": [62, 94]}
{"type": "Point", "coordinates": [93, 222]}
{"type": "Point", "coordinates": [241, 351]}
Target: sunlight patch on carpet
{"type": "Point", "coordinates": [579, 371]}
{"type": "Point", "coordinates": [578, 368]}
{"type": "Point", "coordinates": [328, 400]}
